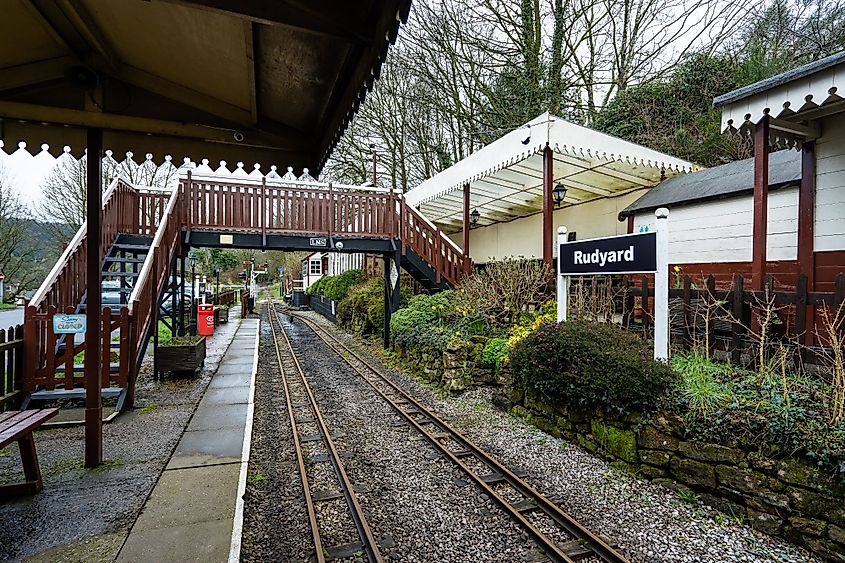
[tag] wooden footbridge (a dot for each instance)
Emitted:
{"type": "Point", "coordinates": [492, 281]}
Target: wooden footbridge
{"type": "Point", "coordinates": [146, 234]}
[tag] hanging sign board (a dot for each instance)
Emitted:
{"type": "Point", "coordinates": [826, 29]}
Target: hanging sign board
{"type": "Point", "coordinates": [69, 324]}
{"type": "Point", "coordinates": [625, 254]}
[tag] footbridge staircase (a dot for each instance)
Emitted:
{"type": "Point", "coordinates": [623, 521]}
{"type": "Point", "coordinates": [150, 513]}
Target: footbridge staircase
{"type": "Point", "coordinates": [145, 232]}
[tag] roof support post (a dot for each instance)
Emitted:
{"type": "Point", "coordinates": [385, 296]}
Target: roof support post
{"type": "Point", "coordinates": [548, 205]}
{"type": "Point", "coordinates": [806, 218]}
{"type": "Point", "coordinates": [466, 230]}
{"type": "Point", "coordinates": [94, 205]}
{"type": "Point", "coordinates": [761, 204]}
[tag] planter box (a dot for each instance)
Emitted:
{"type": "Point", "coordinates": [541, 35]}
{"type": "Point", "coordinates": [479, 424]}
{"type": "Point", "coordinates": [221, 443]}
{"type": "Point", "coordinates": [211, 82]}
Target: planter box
{"type": "Point", "coordinates": [182, 359]}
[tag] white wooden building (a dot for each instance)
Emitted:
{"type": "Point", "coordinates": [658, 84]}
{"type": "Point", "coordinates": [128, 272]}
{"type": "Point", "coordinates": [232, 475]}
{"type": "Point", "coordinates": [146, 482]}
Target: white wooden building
{"type": "Point", "coordinates": [779, 213]}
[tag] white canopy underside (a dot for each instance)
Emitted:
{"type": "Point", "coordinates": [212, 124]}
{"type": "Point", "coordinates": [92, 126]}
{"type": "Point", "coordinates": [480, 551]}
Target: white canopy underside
{"type": "Point", "coordinates": [506, 176]}
{"type": "Point", "coordinates": [808, 97]}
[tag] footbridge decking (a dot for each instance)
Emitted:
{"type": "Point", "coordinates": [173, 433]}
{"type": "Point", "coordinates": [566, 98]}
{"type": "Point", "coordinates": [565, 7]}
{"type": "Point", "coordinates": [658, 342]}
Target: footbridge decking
{"type": "Point", "coordinates": [145, 232]}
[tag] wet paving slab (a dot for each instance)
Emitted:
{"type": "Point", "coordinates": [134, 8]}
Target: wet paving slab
{"type": "Point", "coordinates": [85, 514]}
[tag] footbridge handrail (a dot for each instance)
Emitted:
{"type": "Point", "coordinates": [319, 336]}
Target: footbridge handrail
{"type": "Point", "coordinates": [144, 297]}
{"type": "Point", "coordinates": [70, 267]}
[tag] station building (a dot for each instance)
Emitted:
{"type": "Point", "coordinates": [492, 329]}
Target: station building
{"type": "Point", "coordinates": [780, 213]}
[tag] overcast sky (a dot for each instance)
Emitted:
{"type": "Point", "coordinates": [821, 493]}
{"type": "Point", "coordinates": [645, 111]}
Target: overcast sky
{"type": "Point", "coordinates": [26, 173]}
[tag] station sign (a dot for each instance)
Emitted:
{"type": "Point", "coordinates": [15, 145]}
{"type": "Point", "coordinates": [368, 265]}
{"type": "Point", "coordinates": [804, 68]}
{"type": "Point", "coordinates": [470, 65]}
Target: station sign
{"type": "Point", "coordinates": [69, 324]}
{"type": "Point", "coordinates": [625, 254]}
{"type": "Point", "coordinates": [646, 252]}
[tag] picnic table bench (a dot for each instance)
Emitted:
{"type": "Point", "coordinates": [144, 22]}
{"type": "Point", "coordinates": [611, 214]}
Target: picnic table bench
{"type": "Point", "coordinates": [19, 425]}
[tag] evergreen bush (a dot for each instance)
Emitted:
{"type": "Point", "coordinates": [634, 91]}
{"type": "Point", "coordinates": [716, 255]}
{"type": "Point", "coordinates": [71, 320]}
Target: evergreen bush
{"type": "Point", "coordinates": [421, 310]}
{"type": "Point", "coordinates": [338, 287]}
{"type": "Point", "coordinates": [591, 366]}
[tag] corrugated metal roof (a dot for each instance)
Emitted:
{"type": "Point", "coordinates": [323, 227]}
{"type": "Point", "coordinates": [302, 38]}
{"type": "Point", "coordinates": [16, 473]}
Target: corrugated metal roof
{"type": "Point", "coordinates": [719, 182]}
{"type": "Point", "coordinates": [779, 79]}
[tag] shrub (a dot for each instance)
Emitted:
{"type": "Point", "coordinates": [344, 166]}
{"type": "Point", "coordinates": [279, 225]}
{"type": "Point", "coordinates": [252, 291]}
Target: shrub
{"type": "Point", "coordinates": [318, 286]}
{"type": "Point", "coordinates": [590, 365]}
{"type": "Point", "coordinates": [778, 414]}
{"type": "Point", "coordinates": [338, 287]}
{"type": "Point", "coordinates": [421, 310]}
{"type": "Point", "coordinates": [504, 290]}
{"type": "Point", "coordinates": [495, 353]}
{"type": "Point", "coordinates": [362, 310]}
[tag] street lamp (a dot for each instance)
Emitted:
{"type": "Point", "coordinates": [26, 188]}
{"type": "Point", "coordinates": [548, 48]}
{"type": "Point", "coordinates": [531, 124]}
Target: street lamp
{"type": "Point", "coordinates": [559, 193]}
{"type": "Point", "coordinates": [474, 217]}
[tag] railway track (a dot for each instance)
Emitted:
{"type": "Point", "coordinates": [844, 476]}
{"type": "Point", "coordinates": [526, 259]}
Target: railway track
{"type": "Point", "coordinates": [518, 499]}
{"type": "Point", "coordinates": [304, 413]}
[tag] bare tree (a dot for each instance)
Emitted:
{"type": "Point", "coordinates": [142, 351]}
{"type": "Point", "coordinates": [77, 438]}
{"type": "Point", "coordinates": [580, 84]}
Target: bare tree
{"type": "Point", "coordinates": [64, 193]}
{"type": "Point", "coordinates": [17, 248]}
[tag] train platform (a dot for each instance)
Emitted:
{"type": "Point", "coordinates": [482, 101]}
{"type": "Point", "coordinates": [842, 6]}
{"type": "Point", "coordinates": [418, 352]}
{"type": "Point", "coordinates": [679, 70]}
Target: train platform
{"type": "Point", "coordinates": [195, 510]}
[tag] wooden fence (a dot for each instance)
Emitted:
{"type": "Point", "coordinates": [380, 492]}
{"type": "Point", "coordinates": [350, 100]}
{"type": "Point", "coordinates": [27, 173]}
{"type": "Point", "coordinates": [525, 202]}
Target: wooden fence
{"type": "Point", "coordinates": [11, 366]}
{"type": "Point", "coordinates": [727, 319]}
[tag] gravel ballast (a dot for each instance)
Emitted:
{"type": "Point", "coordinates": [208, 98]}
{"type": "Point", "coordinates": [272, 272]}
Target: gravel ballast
{"type": "Point", "coordinates": [647, 521]}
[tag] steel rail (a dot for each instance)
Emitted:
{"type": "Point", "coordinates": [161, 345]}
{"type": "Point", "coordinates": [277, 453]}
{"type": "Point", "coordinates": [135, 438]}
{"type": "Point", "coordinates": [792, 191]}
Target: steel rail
{"type": "Point", "coordinates": [369, 544]}
{"type": "Point", "coordinates": [599, 547]}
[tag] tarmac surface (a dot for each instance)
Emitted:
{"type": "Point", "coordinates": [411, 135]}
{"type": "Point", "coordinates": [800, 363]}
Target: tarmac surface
{"type": "Point", "coordinates": [86, 514]}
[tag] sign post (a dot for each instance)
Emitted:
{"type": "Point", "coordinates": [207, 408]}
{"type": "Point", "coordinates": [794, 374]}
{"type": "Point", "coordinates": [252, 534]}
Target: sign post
{"type": "Point", "coordinates": [661, 287]}
{"type": "Point", "coordinates": [562, 280]}
{"type": "Point", "coordinates": [646, 252]}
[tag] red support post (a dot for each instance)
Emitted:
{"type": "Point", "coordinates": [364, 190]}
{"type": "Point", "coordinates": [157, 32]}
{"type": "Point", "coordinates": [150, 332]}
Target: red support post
{"type": "Point", "coordinates": [466, 265]}
{"type": "Point", "coordinates": [806, 218]}
{"type": "Point", "coordinates": [761, 204]}
{"type": "Point", "coordinates": [548, 205]}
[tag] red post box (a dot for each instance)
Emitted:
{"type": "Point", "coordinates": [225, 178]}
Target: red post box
{"type": "Point", "coordinates": [205, 320]}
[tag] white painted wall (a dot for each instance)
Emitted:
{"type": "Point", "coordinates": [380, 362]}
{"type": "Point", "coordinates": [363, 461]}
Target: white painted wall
{"type": "Point", "coordinates": [339, 263]}
{"type": "Point", "coordinates": [722, 230]}
{"type": "Point", "coordinates": [830, 185]}
{"type": "Point", "coordinates": [524, 237]}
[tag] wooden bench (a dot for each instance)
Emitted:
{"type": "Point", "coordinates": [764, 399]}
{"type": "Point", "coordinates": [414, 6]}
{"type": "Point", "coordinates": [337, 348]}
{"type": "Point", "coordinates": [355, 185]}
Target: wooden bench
{"type": "Point", "coordinates": [19, 425]}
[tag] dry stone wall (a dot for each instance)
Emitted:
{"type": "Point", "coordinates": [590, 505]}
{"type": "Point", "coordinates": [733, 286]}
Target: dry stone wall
{"type": "Point", "coordinates": [788, 497]}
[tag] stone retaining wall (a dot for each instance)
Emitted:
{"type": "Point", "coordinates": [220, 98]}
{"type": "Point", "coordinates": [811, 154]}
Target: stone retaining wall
{"type": "Point", "coordinates": [783, 497]}
{"type": "Point", "coordinates": [454, 368]}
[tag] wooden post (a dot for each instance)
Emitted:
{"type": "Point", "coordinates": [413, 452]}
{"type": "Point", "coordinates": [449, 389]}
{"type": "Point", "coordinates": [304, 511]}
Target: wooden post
{"type": "Point", "coordinates": [806, 218]}
{"type": "Point", "coordinates": [466, 230]}
{"type": "Point", "coordinates": [711, 328]}
{"type": "Point", "coordinates": [387, 302]}
{"type": "Point", "coordinates": [548, 205]}
{"type": "Point", "coordinates": [630, 224]}
{"type": "Point", "coordinates": [687, 312]}
{"type": "Point", "coordinates": [761, 204]}
{"type": "Point", "coordinates": [736, 328]}
{"type": "Point", "coordinates": [644, 297]}
{"type": "Point", "coordinates": [93, 397]}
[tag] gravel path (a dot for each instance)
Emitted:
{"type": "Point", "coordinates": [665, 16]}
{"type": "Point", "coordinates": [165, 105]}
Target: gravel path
{"type": "Point", "coordinates": [648, 522]}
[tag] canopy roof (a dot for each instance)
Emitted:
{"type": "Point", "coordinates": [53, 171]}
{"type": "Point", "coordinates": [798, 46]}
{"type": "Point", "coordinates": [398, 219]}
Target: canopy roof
{"type": "Point", "coordinates": [790, 99]}
{"type": "Point", "coordinates": [728, 180]}
{"type": "Point", "coordinates": [272, 82]}
{"type": "Point", "coordinates": [506, 176]}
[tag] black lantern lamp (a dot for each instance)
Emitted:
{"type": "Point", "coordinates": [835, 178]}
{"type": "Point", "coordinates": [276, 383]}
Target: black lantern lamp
{"type": "Point", "coordinates": [559, 193]}
{"type": "Point", "coordinates": [473, 217]}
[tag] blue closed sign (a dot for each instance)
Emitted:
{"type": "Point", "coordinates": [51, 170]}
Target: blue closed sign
{"type": "Point", "coordinates": [69, 324]}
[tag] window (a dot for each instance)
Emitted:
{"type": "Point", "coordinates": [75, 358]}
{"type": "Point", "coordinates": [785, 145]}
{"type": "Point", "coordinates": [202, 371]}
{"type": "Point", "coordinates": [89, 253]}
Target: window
{"type": "Point", "coordinates": [315, 267]}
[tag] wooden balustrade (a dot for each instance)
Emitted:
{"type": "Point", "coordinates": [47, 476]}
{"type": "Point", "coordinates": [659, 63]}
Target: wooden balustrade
{"type": "Point", "coordinates": [203, 204]}
{"type": "Point", "coordinates": [48, 353]}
